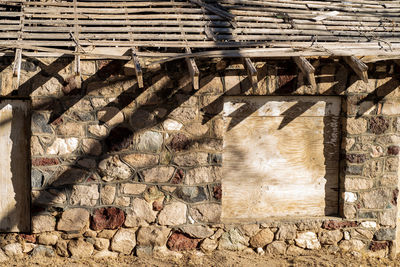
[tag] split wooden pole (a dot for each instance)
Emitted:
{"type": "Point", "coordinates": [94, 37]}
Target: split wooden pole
{"type": "Point", "coordinates": [307, 69]}
{"type": "Point", "coordinates": [252, 72]}
{"type": "Point", "coordinates": [359, 67]}
{"type": "Point", "coordinates": [193, 70]}
{"type": "Point", "coordinates": [138, 68]}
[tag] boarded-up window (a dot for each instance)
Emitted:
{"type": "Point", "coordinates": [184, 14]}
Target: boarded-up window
{"type": "Point", "coordinates": [281, 157]}
{"type": "Point", "coordinates": [14, 169]}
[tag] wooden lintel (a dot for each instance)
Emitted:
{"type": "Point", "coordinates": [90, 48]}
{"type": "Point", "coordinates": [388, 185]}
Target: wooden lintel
{"type": "Point", "coordinates": [359, 67]}
{"type": "Point", "coordinates": [307, 69]}
{"type": "Point", "coordinates": [193, 70]}
{"type": "Point", "coordinates": [252, 72]}
{"type": "Point", "coordinates": [138, 68]}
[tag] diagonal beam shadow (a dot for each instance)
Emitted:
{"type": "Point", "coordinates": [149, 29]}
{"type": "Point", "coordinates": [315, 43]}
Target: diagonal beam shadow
{"type": "Point", "coordinates": [7, 60]}
{"type": "Point", "coordinates": [293, 112]}
{"type": "Point", "coordinates": [45, 74]}
{"type": "Point", "coordinates": [110, 69]}
{"type": "Point", "coordinates": [132, 94]}
{"type": "Point", "coordinates": [378, 95]}
{"type": "Point", "coordinates": [64, 180]}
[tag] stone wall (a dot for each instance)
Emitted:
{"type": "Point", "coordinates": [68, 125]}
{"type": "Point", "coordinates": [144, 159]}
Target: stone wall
{"type": "Point", "coordinates": [118, 169]}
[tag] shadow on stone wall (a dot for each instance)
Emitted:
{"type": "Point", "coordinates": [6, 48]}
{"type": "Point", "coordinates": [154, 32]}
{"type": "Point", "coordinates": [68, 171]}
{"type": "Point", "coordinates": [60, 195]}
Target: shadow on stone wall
{"type": "Point", "coordinates": [275, 79]}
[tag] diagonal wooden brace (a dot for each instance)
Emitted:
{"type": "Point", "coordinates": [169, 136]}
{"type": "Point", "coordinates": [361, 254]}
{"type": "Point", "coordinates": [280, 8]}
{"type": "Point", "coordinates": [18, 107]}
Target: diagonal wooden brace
{"type": "Point", "coordinates": [138, 68]}
{"type": "Point", "coordinates": [359, 67]}
{"type": "Point", "coordinates": [251, 72]}
{"type": "Point", "coordinates": [193, 70]}
{"type": "Point", "coordinates": [307, 69]}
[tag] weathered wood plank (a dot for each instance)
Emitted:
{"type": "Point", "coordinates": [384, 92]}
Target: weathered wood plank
{"type": "Point", "coordinates": [274, 170]}
{"type": "Point", "coordinates": [15, 185]}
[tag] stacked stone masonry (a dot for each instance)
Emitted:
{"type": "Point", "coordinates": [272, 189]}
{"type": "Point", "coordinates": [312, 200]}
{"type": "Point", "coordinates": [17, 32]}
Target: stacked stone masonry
{"type": "Point", "coordinates": [118, 169]}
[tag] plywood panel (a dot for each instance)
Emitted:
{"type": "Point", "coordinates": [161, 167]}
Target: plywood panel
{"type": "Point", "coordinates": [280, 157]}
{"type": "Point", "coordinates": [14, 177]}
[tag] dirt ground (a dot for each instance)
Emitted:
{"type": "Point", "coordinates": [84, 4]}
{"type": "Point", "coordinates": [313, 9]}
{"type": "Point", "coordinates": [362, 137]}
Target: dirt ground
{"type": "Point", "coordinates": [218, 258]}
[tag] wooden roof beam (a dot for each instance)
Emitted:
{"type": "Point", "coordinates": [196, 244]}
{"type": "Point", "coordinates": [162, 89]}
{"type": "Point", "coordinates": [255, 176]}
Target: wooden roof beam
{"type": "Point", "coordinates": [359, 67]}
{"type": "Point", "coordinates": [307, 69]}
{"type": "Point", "coordinates": [251, 72]}
{"type": "Point", "coordinates": [138, 68]}
{"type": "Point", "coordinates": [193, 70]}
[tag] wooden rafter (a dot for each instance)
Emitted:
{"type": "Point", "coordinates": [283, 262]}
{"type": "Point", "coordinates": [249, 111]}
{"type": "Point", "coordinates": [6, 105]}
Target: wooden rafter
{"type": "Point", "coordinates": [193, 70]}
{"type": "Point", "coordinates": [359, 67]}
{"type": "Point", "coordinates": [252, 72]}
{"type": "Point", "coordinates": [307, 69]}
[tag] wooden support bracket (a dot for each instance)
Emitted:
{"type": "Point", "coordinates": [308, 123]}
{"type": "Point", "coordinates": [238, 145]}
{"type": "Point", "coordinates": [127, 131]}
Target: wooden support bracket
{"type": "Point", "coordinates": [17, 65]}
{"type": "Point", "coordinates": [252, 72]}
{"type": "Point", "coordinates": [194, 70]}
{"type": "Point", "coordinates": [77, 63]}
{"type": "Point", "coordinates": [138, 68]}
{"type": "Point", "coordinates": [358, 67]}
{"type": "Point", "coordinates": [307, 69]}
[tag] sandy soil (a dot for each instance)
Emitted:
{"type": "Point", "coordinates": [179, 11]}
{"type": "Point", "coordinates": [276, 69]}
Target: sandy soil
{"type": "Point", "coordinates": [217, 258]}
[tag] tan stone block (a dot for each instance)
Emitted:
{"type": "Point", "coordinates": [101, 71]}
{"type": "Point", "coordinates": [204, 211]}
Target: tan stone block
{"type": "Point", "coordinates": [140, 214]}
{"type": "Point", "coordinates": [203, 175]}
{"type": "Point", "coordinates": [173, 214]}
{"type": "Point", "coordinates": [356, 125]}
{"type": "Point", "coordinates": [210, 213]}
{"type": "Point", "coordinates": [159, 174]}
{"type": "Point", "coordinates": [191, 159]}
{"type": "Point", "coordinates": [112, 116]}
{"type": "Point", "coordinates": [123, 201]}
{"type": "Point", "coordinates": [43, 223]}
{"type": "Point", "coordinates": [98, 130]}
{"type": "Point", "coordinates": [85, 195]}
{"type": "Point", "coordinates": [133, 189]}
{"type": "Point", "coordinates": [91, 147]}
{"type": "Point", "coordinates": [141, 160]}
{"type": "Point", "coordinates": [354, 184]}
{"type": "Point", "coordinates": [107, 194]}
{"type": "Point", "coordinates": [71, 129]}
{"type": "Point", "coordinates": [80, 249]}
{"type": "Point", "coordinates": [73, 220]}
{"type": "Point", "coordinates": [124, 241]}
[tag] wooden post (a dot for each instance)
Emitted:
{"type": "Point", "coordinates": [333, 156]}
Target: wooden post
{"type": "Point", "coordinates": [138, 68]}
{"type": "Point", "coordinates": [193, 69]}
{"type": "Point", "coordinates": [251, 72]}
{"type": "Point", "coordinates": [307, 69]}
{"type": "Point", "coordinates": [358, 67]}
